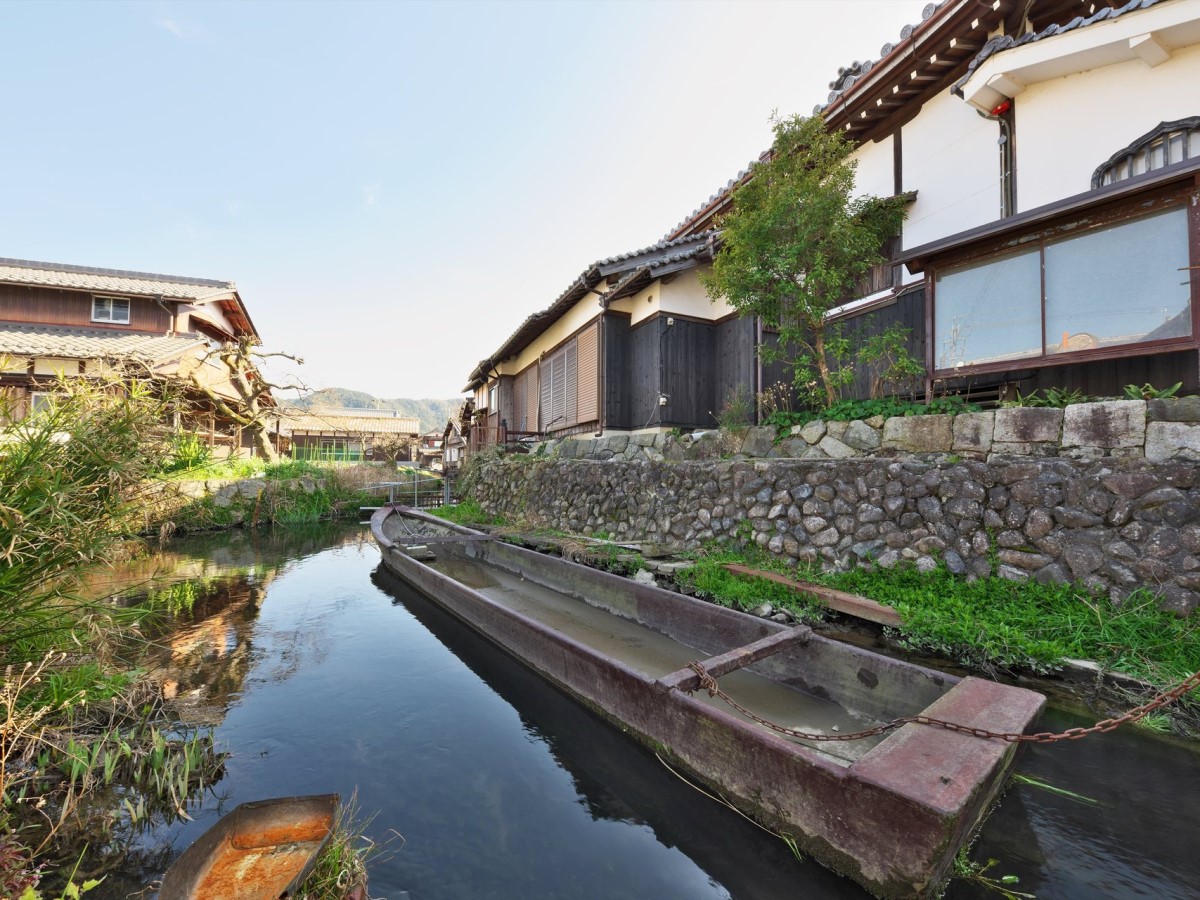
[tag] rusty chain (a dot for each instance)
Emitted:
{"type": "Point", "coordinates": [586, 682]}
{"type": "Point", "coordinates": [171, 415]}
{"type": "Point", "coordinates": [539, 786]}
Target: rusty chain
{"type": "Point", "coordinates": [708, 683]}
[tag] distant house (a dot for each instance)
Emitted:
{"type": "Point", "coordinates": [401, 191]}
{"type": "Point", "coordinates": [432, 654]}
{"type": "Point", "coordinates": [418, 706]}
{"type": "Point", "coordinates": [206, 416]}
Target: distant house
{"type": "Point", "coordinates": [1050, 151]}
{"type": "Point", "coordinates": [430, 450]}
{"type": "Point", "coordinates": [633, 344]}
{"type": "Point", "coordinates": [347, 435]}
{"type": "Point", "coordinates": [453, 446]}
{"type": "Point", "coordinates": [80, 321]}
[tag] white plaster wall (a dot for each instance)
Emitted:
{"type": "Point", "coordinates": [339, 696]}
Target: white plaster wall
{"type": "Point", "coordinates": [1068, 126]}
{"type": "Point", "coordinates": [875, 175]}
{"type": "Point", "coordinates": [575, 318]}
{"type": "Point", "coordinates": [641, 305]}
{"type": "Point", "coordinates": [952, 160]}
{"type": "Point", "coordinates": [686, 295]}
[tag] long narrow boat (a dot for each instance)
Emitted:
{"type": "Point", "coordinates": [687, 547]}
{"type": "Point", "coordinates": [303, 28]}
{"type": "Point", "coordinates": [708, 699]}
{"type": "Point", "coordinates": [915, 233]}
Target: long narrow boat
{"type": "Point", "coordinates": [889, 811]}
{"type": "Point", "coordinates": [260, 851]}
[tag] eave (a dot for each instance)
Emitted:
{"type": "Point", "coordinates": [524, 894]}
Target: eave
{"type": "Point", "coordinates": [917, 258]}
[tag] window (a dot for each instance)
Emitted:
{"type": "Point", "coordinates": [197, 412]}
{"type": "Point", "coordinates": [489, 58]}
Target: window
{"type": "Point", "coordinates": [1169, 143]}
{"type": "Point", "coordinates": [110, 309]}
{"type": "Point", "coordinates": [989, 312]}
{"type": "Point", "coordinates": [1122, 284]}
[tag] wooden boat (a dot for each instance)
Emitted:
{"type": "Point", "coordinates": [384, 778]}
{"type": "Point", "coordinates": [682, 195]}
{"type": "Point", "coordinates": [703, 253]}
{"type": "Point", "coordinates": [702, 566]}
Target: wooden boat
{"type": "Point", "coordinates": [889, 812]}
{"type": "Point", "coordinates": [261, 851]}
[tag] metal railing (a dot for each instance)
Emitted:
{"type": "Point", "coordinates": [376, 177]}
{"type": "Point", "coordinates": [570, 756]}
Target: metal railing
{"type": "Point", "coordinates": [328, 454]}
{"type": "Point", "coordinates": [420, 491]}
{"type": "Point", "coordinates": [486, 436]}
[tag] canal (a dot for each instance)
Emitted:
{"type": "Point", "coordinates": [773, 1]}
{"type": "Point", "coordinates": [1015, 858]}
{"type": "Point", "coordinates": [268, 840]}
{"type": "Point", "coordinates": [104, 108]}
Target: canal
{"type": "Point", "coordinates": [320, 672]}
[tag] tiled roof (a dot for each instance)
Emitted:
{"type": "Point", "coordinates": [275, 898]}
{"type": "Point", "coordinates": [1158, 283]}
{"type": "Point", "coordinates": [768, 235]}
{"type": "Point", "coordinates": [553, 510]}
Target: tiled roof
{"type": "Point", "coordinates": [719, 196]}
{"type": "Point", "coordinates": [21, 339]}
{"type": "Point", "coordinates": [848, 75]}
{"type": "Point", "coordinates": [361, 421]}
{"type": "Point", "coordinates": [666, 255]}
{"type": "Point", "coordinates": [117, 281]}
{"type": "Point", "coordinates": [1007, 42]}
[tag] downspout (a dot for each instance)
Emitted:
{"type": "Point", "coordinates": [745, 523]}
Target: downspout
{"type": "Point", "coordinates": [758, 368]}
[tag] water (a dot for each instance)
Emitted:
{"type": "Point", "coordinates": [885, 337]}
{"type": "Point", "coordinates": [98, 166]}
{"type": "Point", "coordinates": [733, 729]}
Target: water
{"type": "Point", "coordinates": [323, 673]}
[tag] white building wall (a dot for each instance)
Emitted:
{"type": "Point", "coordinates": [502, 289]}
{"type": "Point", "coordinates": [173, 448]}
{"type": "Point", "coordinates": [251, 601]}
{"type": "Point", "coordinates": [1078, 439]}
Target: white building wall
{"type": "Point", "coordinates": [1066, 127]}
{"type": "Point", "coordinates": [876, 168]}
{"type": "Point", "coordinates": [686, 295]}
{"type": "Point", "coordinates": [952, 160]}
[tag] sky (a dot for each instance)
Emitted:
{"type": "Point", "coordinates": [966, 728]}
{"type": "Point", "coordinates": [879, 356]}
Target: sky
{"type": "Point", "coordinates": [395, 186]}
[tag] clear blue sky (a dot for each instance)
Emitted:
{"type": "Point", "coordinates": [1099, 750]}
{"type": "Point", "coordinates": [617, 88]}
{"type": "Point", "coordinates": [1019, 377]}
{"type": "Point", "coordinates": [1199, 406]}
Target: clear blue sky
{"type": "Point", "coordinates": [394, 186]}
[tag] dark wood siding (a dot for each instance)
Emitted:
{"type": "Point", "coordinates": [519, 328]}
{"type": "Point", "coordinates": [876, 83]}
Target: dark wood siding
{"type": "Point", "coordinates": [616, 383]}
{"type": "Point", "coordinates": [50, 306]}
{"type": "Point", "coordinates": [641, 373]}
{"type": "Point", "coordinates": [1107, 378]}
{"type": "Point", "coordinates": [689, 374]}
{"type": "Point", "coordinates": [734, 358]}
{"type": "Point", "coordinates": [907, 312]}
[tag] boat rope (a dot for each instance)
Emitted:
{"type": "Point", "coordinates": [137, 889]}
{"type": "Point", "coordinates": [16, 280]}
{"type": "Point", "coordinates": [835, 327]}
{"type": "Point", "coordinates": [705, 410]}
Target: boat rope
{"type": "Point", "coordinates": [708, 683]}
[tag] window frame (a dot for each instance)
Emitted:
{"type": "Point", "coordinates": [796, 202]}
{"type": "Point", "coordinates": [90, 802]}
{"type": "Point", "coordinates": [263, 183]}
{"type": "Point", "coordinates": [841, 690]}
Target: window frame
{"type": "Point", "coordinates": [107, 299]}
{"type": "Point", "coordinates": [1114, 213]}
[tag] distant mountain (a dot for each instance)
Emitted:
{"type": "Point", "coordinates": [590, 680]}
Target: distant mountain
{"type": "Point", "coordinates": [432, 414]}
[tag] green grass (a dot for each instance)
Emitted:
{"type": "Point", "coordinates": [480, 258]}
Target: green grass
{"type": "Point", "coordinates": [469, 512]}
{"type": "Point", "coordinates": [990, 623]}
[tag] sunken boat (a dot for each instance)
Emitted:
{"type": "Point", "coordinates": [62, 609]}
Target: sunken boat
{"type": "Point", "coordinates": [262, 850]}
{"type": "Point", "coordinates": [890, 811]}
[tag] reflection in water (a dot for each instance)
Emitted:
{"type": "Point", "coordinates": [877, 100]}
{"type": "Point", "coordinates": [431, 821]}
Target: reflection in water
{"type": "Point", "coordinates": [325, 674]}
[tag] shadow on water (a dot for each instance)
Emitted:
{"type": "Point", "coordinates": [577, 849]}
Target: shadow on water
{"type": "Point", "coordinates": [322, 672]}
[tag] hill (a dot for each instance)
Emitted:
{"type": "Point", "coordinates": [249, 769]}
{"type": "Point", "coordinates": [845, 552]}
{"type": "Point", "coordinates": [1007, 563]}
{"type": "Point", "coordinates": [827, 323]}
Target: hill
{"type": "Point", "coordinates": [432, 414]}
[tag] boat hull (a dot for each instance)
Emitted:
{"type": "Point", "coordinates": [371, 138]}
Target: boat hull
{"type": "Point", "coordinates": [892, 821]}
{"type": "Point", "coordinates": [261, 851]}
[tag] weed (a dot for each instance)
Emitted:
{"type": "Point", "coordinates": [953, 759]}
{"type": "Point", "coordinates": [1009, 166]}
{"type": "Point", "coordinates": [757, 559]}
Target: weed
{"type": "Point", "coordinates": [1055, 398]}
{"type": "Point", "coordinates": [1149, 392]}
{"type": "Point", "coordinates": [968, 870]}
{"type": "Point", "coordinates": [342, 865]}
{"type": "Point", "coordinates": [468, 512]}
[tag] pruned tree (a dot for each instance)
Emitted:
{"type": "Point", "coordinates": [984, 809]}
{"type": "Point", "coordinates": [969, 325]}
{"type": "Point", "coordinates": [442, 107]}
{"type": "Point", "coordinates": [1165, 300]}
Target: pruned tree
{"type": "Point", "coordinates": [395, 447]}
{"type": "Point", "coordinates": [254, 406]}
{"type": "Point", "coordinates": [798, 240]}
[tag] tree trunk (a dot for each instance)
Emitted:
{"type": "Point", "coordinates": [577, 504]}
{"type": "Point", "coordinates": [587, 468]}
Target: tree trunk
{"type": "Point", "coordinates": [262, 443]}
{"type": "Point", "coordinates": [818, 331]}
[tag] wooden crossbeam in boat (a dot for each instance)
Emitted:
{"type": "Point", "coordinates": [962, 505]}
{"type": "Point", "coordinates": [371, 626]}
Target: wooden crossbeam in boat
{"type": "Point", "coordinates": [738, 657]}
{"type": "Point", "coordinates": [841, 601]}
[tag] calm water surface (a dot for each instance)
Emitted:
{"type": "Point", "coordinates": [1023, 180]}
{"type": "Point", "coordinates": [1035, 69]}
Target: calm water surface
{"type": "Point", "coordinates": [322, 673]}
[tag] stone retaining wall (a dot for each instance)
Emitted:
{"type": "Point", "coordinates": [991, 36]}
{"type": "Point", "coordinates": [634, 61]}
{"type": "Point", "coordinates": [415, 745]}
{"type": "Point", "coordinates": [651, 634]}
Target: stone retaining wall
{"type": "Point", "coordinates": [1115, 523]}
{"type": "Point", "coordinates": [1156, 430]}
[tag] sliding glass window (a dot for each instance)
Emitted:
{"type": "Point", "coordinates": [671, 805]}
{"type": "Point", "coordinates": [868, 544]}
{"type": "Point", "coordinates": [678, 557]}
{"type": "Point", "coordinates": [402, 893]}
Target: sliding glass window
{"type": "Point", "coordinates": [1123, 284]}
{"type": "Point", "coordinates": [989, 312]}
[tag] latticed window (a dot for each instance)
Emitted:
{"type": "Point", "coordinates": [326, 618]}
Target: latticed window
{"type": "Point", "coordinates": [1169, 143]}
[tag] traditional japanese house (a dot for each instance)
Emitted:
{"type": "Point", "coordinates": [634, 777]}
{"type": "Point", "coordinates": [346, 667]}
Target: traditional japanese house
{"type": "Point", "coordinates": [69, 320]}
{"type": "Point", "coordinates": [348, 434]}
{"type": "Point", "coordinates": [1050, 151]}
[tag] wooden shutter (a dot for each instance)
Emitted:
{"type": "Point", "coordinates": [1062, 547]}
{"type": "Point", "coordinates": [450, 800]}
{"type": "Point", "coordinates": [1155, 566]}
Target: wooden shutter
{"type": "Point", "coordinates": [520, 403]}
{"type": "Point", "coordinates": [587, 389]}
{"type": "Point", "coordinates": [570, 383]}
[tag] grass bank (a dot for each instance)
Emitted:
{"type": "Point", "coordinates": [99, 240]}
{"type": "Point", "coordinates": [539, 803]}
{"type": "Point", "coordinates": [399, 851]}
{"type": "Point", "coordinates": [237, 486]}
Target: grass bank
{"type": "Point", "coordinates": [249, 493]}
{"type": "Point", "coordinates": [987, 625]}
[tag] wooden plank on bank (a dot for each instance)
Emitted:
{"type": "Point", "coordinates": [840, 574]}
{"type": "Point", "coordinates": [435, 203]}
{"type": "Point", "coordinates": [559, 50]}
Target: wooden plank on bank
{"type": "Point", "coordinates": [841, 601]}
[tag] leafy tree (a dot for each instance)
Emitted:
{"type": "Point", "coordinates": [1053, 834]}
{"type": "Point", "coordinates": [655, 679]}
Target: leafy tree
{"type": "Point", "coordinates": [798, 240]}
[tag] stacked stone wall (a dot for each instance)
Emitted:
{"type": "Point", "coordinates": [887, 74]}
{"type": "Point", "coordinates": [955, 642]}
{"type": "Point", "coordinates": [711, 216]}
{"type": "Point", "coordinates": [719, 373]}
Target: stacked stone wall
{"type": "Point", "coordinates": [1114, 523]}
{"type": "Point", "coordinates": [1156, 430]}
